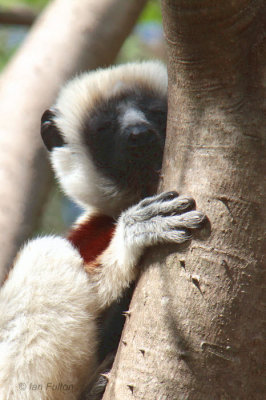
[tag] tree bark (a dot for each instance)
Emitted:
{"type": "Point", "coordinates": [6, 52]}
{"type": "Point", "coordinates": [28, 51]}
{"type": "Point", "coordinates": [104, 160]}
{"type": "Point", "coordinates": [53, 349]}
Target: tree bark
{"type": "Point", "coordinates": [69, 36]}
{"type": "Point", "coordinates": [195, 328]}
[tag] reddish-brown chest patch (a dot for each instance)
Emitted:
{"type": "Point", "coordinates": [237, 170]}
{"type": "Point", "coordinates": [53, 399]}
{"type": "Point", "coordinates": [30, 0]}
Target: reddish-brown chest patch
{"type": "Point", "coordinates": [93, 236]}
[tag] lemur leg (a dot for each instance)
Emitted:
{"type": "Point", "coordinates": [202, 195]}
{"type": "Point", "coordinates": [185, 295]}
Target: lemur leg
{"type": "Point", "coordinates": [163, 218]}
{"type": "Point", "coordinates": [47, 331]}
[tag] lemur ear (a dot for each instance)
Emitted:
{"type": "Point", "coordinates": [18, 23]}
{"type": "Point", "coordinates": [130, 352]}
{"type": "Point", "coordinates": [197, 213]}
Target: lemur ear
{"type": "Point", "coordinates": [51, 135]}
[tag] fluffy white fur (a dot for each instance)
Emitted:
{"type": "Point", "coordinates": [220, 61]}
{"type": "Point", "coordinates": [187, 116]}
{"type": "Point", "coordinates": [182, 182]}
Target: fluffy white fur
{"type": "Point", "coordinates": [47, 327]}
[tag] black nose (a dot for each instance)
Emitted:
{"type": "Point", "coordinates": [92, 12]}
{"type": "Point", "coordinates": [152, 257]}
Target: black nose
{"type": "Point", "coordinates": [140, 136]}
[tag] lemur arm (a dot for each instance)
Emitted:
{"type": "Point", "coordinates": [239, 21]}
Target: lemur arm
{"type": "Point", "coordinates": [163, 218]}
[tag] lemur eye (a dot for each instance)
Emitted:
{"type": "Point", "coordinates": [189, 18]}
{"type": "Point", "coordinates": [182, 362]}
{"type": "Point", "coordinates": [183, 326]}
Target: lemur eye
{"type": "Point", "coordinates": [51, 135]}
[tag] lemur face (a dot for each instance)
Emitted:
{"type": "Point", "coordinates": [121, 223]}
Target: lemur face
{"type": "Point", "coordinates": [107, 145]}
{"type": "Point", "coordinates": [125, 136]}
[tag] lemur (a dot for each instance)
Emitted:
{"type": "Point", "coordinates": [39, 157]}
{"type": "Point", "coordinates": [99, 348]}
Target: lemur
{"type": "Point", "coordinates": [105, 135]}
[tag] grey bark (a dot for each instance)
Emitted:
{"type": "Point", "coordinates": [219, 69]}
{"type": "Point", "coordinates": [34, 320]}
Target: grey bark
{"type": "Point", "coordinates": [68, 37]}
{"type": "Point", "coordinates": [195, 328]}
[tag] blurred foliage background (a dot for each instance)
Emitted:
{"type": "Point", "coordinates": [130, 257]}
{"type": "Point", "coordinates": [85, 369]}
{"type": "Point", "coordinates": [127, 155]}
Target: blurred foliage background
{"type": "Point", "coordinates": [145, 42]}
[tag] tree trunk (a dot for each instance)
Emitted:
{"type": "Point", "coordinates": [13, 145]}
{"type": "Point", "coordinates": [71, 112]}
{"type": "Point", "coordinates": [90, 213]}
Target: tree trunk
{"type": "Point", "coordinates": [70, 36]}
{"type": "Point", "coordinates": [195, 326]}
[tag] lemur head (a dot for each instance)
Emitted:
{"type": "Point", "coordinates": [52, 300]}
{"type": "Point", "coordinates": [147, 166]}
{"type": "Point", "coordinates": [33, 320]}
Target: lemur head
{"type": "Point", "coordinates": [106, 135]}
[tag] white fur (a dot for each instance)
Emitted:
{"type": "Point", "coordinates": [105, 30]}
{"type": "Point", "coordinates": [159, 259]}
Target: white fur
{"type": "Point", "coordinates": [47, 327]}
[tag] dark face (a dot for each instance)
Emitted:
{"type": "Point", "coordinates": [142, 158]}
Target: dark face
{"type": "Point", "coordinates": [125, 137]}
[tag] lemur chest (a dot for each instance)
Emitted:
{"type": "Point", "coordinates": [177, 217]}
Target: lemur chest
{"type": "Point", "coordinates": [92, 237]}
